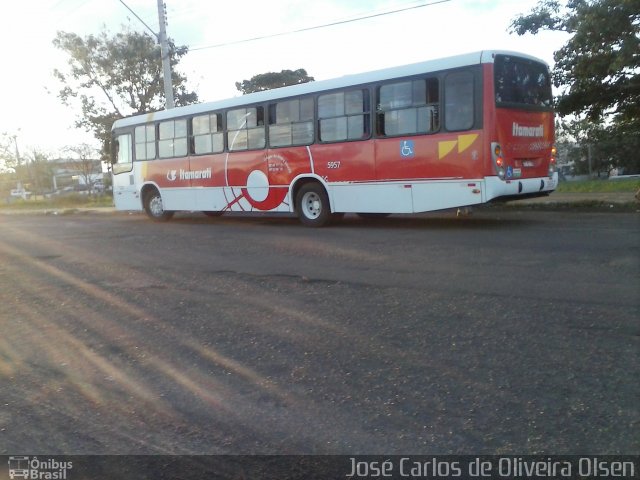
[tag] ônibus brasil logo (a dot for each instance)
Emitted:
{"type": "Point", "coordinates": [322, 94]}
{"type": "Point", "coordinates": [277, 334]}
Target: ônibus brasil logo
{"type": "Point", "coordinates": [181, 174]}
{"type": "Point", "coordinates": [34, 468]}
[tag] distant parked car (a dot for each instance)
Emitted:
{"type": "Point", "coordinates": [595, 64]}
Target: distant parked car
{"type": "Point", "coordinates": [624, 177]}
{"type": "Point", "coordinates": [20, 193]}
{"type": "Point", "coordinates": [64, 191]}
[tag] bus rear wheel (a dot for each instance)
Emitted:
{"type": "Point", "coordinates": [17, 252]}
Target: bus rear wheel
{"type": "Point", "coordinates": [312, 205]}
{"type": "Point", "coordinates": [154, 208]}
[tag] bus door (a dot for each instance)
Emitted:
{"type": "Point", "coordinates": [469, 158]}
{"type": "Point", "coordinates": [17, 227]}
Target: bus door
{"type": "Point", "coordinates": [125, 191]}
{"type": "Point", "coordinates": [246, 171]}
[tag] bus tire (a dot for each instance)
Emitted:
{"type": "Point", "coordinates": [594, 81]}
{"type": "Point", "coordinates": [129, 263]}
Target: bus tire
{"type": "Point", "coordinates": [153, 207]}
{"type": "Point", "coordinates": [312, 205]}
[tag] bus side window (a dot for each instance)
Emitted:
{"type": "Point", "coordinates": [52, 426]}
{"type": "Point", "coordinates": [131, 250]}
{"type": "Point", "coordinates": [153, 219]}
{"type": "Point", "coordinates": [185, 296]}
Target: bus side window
{"type": "Point", "coordinates": [145, 137]}
{"type": "Point", "coordinates": [459, 107]}
{"type": "Point", "coordinates": [172, 139]}
{"type": "Point", "coordinates": [246, 129]}
{"type": "Point", "coordinates": [344, 115]}
{"type": "Point", "coordinates": [408, 107]}
{"type": "Point", "coordinates": [207, 134]}
{"type": "Point", "coordinates": [122, 158]}
{"type": "Point", "coordinates": [291, 122]}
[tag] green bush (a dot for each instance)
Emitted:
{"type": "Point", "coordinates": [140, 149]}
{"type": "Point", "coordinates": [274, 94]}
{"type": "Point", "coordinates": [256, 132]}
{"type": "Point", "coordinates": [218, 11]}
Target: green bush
{"type": "Point", "coordinates": [600, 186]}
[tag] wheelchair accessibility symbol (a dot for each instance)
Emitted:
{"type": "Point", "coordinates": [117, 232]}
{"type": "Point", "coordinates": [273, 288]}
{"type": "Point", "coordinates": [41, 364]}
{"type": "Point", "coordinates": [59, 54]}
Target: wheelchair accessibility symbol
{"type": "Point", "coordinates": [407, 148]}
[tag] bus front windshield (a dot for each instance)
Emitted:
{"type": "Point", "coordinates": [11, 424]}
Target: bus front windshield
{"type": "Point", "coordinates": [521, 83]}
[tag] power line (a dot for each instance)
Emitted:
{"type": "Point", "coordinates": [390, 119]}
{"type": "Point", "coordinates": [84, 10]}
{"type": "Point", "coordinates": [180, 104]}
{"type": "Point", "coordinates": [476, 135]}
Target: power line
{"type": "Point", "coordinates": [332, 24]}
{"type": "Point", "coordinates": [164, 49]}
{"type": "Point", "coordinates": [155, 34]}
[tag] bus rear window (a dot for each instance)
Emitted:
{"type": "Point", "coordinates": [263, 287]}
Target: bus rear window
{"type": "Point", "coordinates": [521, 82]}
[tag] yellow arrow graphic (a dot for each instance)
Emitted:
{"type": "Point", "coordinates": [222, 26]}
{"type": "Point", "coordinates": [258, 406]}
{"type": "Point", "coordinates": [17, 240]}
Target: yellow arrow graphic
{"type": "Point", "coordinates": [444, 148]}
{"type": "Point", "coordinates": [465, 141]}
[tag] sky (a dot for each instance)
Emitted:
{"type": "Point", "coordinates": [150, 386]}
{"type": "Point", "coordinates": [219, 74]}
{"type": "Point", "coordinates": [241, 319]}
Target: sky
{"type": "Point", "coordinates": [31, 111]}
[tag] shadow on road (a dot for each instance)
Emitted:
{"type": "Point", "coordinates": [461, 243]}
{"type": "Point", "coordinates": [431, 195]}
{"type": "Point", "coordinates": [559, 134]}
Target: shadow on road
{"type": "Point", "coordinates": [437, 221]}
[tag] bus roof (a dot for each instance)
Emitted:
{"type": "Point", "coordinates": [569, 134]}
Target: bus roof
{"type": "Point", "coordinates": [485, 56]}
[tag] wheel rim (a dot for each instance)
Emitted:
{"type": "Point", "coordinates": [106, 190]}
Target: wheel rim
{"type": "Point", "coordinates": [311, 205]}
{"type": "Point", "coordinates": [155, 206]}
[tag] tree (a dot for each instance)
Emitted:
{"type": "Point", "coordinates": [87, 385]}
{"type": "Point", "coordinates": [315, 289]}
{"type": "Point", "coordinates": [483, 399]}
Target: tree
{"type": "Point", "coordinates": [586, 147]}
{"type": "Point", "coordinates": [7, 165]}
{"type": "Point", "coordinates": [598, 69]}
{"type": "Point", "coordinates": [84, 162]}
{"type": "Point", "coordinates": [110, 77]}
{"type": "Point", "coordinates": [8, 158]}
{"type": "Point", "coordinates": [271, 80]}
{"type": "Point", "coordinates": [38, 171]}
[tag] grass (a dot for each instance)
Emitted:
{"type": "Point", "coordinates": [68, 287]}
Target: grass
{"type": "Point", "coordinates": [600, 186]}
{"type": "Point", "coordinates": [66, 201]}
{"type": "Point", "coordinates": [583, 205]}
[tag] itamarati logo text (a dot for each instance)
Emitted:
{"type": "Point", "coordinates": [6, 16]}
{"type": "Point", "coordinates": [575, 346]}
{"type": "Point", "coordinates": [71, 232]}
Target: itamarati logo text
{"type": "Point", "coordinates": [181, 174]}
{"type": "Point", "coordinates": [525, 131]}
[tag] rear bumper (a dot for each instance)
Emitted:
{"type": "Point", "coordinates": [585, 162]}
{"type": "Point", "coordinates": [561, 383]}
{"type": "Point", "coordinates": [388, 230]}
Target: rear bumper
{"type": "Point", "coordinates": [496, 189]}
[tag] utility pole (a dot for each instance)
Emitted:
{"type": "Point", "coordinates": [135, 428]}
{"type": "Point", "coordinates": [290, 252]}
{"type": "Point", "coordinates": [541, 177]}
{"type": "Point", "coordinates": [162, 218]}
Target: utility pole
{"type": "Point", "coordinates": [15, 142]}
{"type": "Point", "coordinates": [19, 185]}
{"type": "Point", "coordinates": [166, 61]}
{"type": "Point", "coordinates": [164, 49]}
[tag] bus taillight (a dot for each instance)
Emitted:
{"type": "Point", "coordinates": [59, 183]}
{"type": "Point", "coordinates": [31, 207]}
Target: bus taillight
{"type": "Point", "coordinates": [498, 160]}
{"type": "Point", "coordinates": [552, 161]}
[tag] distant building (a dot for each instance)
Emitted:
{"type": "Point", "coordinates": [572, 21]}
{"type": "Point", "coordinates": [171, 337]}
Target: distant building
{"type": "Point", "coordinates": [71, 172]}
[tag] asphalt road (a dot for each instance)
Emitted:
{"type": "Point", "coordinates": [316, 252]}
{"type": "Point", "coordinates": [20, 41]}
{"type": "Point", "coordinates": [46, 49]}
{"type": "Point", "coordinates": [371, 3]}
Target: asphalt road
{"type": "Point", "coordinates": [504, 332]}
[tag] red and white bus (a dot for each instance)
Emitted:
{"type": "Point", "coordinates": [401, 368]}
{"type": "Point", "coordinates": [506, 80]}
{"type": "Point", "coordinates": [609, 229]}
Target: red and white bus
{"type": "Point", "coordinates": [453, 132]}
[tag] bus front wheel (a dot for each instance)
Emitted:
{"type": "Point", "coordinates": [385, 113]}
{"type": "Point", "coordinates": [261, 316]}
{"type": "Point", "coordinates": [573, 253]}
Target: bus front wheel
{"type": "Point", "coordinates": [312, 205]}
{"type": "Point", "coordinates": [154, 208]}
